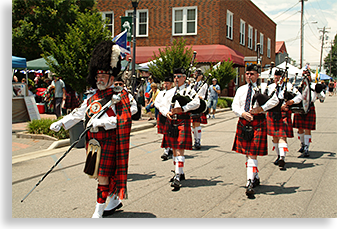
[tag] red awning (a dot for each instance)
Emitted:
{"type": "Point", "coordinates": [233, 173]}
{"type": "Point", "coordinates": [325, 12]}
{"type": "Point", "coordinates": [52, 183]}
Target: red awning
{"type": "Point", "coordinates": [205, 53]}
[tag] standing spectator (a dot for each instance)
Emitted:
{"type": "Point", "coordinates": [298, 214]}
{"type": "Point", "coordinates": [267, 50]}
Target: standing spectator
{"type": "Point", "coordinates": [71, 102]}
{"type": "Point", "coordinates": [331, 87]}
{"type": "Point", "coordinates": [60, 94]}
{"type": "Point", "coordinates": [154, 94]}
{"type": "Point", "coordinates": [213, 91]}
{"type": "Point", "coordinates": [148, 90]}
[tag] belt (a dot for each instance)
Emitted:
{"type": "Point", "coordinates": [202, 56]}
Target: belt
{"type": "Point", "coordinates": [259, 116]}
{"type": "Point", "coordinates": [182, 116]}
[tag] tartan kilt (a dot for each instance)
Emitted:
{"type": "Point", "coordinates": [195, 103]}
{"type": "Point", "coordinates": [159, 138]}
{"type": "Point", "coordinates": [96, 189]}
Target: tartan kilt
{"type": "Point", "coordinates": [307, 121]}
{"type": "Point", "coordinates": [201, 118]}
{"type": "Point", "coordinates": [107, 140]}
{"type": "Point", "coordinates": [162, 128]}
{"type": "Point", "coordinates": [258, 145]}
{"type": "Point", "coordinates": [72, 101]}
{"type": "Point", "coordinates": [184, 139]}
{"type": "Point", "coordinates": [282, 127]}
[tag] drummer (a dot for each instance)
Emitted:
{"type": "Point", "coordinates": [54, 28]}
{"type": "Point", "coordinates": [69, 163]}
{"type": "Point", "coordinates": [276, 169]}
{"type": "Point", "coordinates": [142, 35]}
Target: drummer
{"type": "Point", "coordinates": [305, 123]}
{"type": "Point", "coordinates": [279, 124]}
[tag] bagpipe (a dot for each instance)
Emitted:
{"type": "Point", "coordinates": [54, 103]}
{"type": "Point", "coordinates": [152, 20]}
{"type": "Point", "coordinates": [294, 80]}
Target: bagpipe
{"type": "Point", "coordinates": [183, 99]}
{"type": "Point", "coordinates": [259, 97]}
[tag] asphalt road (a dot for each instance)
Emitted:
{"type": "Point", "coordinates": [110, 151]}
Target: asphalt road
{"type": "Point", "coordinates": [214, 185]}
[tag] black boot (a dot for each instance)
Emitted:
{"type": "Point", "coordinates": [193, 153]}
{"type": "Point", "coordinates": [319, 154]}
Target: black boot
{"type": "Point", "coordinates": [277, 160]}
{"type": "Point", "coordinates": [249, 189]}
{"type": "Point", "coordinates": [176, 182]}
{"type": "Point", "coordinates": [306, 151]}
{"type": "Point", "coordinates": [301, 150]}
{"type": "Point", "coordinates": [281, 163]}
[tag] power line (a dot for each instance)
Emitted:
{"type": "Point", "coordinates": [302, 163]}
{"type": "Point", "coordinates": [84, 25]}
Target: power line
{"type": "Point", "coordinates": [286, 10]}
{"type": "Point", "coordinates": [287, 18]}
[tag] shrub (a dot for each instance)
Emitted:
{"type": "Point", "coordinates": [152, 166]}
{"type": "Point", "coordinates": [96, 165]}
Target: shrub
{"type": "Point", "coordinates": [225, 102]}
{"type": "Point", "coordinates": [42, 127]}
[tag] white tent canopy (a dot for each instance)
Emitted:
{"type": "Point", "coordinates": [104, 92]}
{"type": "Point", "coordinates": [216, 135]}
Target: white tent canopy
{"type": "Point", "coordinates": [292, 70]}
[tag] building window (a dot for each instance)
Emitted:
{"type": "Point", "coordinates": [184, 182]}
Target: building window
{"type": "Point", "coordinates": [242, 32]}
{"type": "Point", "coordinates": [142, 22]}
{"type": "Point", "coordinates": [109, 17]}
{"type": "Point", "coordinates": [255, 40]}
{"type": "Point", "coordinates": [250, 37]}
{"type": "Point", "coordinates": [268, 48]}
{"type": "Point", "coordinates": [184, 21]}
{"type": "Point", "coordinates": [261, 43]}
{"type": "Point", "coordinates": [229, 25]}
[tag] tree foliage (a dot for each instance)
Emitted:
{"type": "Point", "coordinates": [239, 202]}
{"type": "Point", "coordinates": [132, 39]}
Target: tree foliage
{"type": "Point", "coordinates": [175, 56]}
{"type": "Point", "coordinates": [69, 56]}
{"type": "Point", "coordinates": [224, 73]}
{"type": "Point", "coordinates": [33, 20]}
{"type": "Point", "coordinates": [333, 55]}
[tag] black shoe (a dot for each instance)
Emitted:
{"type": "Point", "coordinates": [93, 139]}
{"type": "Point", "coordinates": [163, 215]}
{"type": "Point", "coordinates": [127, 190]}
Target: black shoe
{"type": "Point", "coordinates": [182, 176]}
{"type": "Point", "coordinates": [306, 153]}
{"type": "Point", "coordinates": [281, 164]}
{"type": "Point", "coordinates": [165, 157]}
{"type": "Point", "coordinates": [301, 150]}
{"type": "Point", "coordinates": [170, 153]}
{"type": "Point", "coordinates": [277, 160]}
{"type": "Point", "coordinates": [110, 212]}
{"type": "Point", "coordinates": [249, 189]}
{"type": "Point", "coordinates": [176, 182]}
{"type": "Point", "coordinates": [256, 182]}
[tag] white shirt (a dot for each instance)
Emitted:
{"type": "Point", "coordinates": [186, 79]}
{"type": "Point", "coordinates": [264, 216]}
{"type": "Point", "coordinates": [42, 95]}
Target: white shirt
{"type": "Point", "coordinates": [202, 91]}
{"type": "Point", "coordinates": [238, 105]}
{"type": "Point", "coordinates": [296, 99]}
{"type": "Point", "coordinates": [314, 94]}
{"type": "Point", "coordinates": [165, 106]}
{"type": "Point", "coordinates": [78, 114]}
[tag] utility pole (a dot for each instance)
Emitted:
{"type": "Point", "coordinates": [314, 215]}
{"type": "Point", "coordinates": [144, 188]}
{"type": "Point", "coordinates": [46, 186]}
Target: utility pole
{"type": "Point", "coordinates": [323, 30]}
{"type": "Point", "coordinates": [302, 32]}
{"type": "Point", "coordinates": [330, 58]}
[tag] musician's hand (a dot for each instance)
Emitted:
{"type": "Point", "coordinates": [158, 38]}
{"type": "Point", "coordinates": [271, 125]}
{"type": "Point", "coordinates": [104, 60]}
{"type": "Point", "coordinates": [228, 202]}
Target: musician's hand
{"type": "Point", "coordinates": [256, 110]}
{"type": "Point", "coordinates": [290, 102]}
{"type": "Point", "coordinates": [284, 107]}
{"type": "Point", "coordinates": [177, 110]}
{"type": "Point", "coordinates": [169, 115]}
{"type": "Point", "coordinates": [247, 116]}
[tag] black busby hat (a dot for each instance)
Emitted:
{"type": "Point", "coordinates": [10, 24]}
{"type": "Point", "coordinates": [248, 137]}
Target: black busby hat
{"type": "Point", "coordinates": [252, 67]}
{"type": "Point", "coordinates": [179, 71]}
{"type": "Point", "coordinates": [105, 58]}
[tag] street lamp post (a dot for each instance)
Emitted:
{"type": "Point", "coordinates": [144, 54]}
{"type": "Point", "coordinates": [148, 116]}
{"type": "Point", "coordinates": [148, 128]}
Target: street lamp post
{"type": "Point", "coordinates": [135, 5]}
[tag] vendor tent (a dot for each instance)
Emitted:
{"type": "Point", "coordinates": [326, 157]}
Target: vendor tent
{"type": "Point", "coordinates": [38, 64]}
{"type": "Point", "coordinates": [292, 70]}
{"type": "Point", "coordinates": [324, 76]}
{"type": "Point", "coordinates": [18, 62]}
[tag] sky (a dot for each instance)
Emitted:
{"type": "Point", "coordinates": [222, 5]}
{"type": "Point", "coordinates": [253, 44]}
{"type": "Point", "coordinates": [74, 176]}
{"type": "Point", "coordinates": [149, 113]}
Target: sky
{"type": "Point", "coordinates": [287, 15]}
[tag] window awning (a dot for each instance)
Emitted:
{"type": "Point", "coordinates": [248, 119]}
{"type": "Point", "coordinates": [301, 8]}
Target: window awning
{"type": "Point", "coordinates": [205, 53]}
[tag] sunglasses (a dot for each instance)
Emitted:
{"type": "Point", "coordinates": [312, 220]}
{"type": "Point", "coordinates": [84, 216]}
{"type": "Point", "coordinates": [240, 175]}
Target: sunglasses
{"type": "Point", "coordinates": [119, 84]}
{"type": "Point", "coordinates": [179, 76]}
{"type": "Point", "coordinates": [250, 74]}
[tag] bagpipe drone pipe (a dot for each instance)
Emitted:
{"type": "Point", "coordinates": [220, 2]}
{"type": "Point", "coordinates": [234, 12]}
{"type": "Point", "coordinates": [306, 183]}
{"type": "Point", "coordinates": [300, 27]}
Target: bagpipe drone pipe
{"type": "Point", "coordinates": [184, 99]}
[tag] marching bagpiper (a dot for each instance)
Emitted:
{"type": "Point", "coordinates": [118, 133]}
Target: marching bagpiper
{"type": "Point", "coordinates": [161, 120]}
{"type": "Point", "coordinates": [107, 141]}
{"type": "Point", "coordinates": [251, 133]}
{"type": "Point", "coordinates": [198, 119]}
{"type": "Point", "coordinates": [279, 124]}
{"type": "Point", "coordinates": [305, 123]}
{"type": "Point", "coordinates": [178, 124]}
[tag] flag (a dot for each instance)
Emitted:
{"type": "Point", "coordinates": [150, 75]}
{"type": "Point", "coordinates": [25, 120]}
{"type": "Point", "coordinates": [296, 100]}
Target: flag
{"type": "Point", "coordinates": [121, 41]}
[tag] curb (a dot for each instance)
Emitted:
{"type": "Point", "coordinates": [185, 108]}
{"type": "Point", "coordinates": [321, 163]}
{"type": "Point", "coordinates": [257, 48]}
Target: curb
{"type": "Point", "coordinates": [25, 134]}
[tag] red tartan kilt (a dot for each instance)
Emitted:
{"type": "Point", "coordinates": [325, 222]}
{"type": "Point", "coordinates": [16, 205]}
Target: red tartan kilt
{"type": "Point", "coordinates": [258, 145]}
{"type": "Point", "coordinates": [72, 101]}
{"type": "Point", "coordinates": [282, 127]}
{"type": "Point", "coordinates": [107, 140]}
{"type": "Point", "coordinates": [184, 139]}
{"type": "Point", "coordinates": [162, 128]}
{"type": "Point", "coordinates": [199, 118]}
{"type": "Point", "coordinates": [307, 121]}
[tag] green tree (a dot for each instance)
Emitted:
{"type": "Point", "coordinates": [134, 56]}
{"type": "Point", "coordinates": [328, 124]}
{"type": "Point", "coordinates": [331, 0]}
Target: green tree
{"type": "Point", "coordinates": [69, 57]}
{"type": "Point", "coordinates": [331, 58]}
{"type": "Point", "coordinates": [32, 20]}
{"type": "Point", "coordinates": [224, 73]}
{"type": "Point", "coordinates": [175, 56]}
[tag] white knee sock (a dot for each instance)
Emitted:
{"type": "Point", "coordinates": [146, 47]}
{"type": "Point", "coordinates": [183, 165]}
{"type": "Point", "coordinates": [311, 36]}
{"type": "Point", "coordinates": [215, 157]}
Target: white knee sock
{"type": "Point", "coordinates": [307, 140]}
{"type": "Point", "coordinates": [275, 147]}
{"type": "Point", "coordinates": [194, 133]}
{"type": "Point", "coordinates": [180, 164]}
{"type": "Point", "coordinates": [283, 148]}
{"type": "Point", "coordinates": [252, 170]}
{"type": "Point", "coordinates": [198, 132]}
{"type": "Point", "coordinates": [301, 137]}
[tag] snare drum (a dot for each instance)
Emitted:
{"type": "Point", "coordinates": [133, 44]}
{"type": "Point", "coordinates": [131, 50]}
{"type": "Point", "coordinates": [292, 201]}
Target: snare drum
{"type": "Point", "coordinates": [304, 105]}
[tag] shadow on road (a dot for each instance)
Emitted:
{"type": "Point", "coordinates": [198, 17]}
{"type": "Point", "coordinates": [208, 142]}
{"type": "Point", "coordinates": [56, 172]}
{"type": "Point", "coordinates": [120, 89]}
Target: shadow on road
{"type": "Point", "coordinates": [125, 214]}
{"type": "Point", "coordinates": [274, 189]}
{"type": "Point", "coordinates": [318, 154]}
{"type": "Point", "coordinates": [194, 183]}
{"type": "Point", "coordinates": [136, 176]}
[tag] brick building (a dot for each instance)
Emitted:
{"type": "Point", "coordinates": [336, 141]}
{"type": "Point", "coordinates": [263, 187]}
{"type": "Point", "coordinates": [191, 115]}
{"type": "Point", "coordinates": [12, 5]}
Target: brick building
{"type": "Point", "coordinates": [217, 30]}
